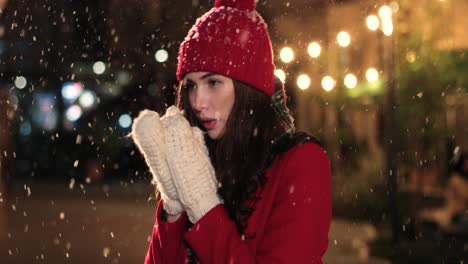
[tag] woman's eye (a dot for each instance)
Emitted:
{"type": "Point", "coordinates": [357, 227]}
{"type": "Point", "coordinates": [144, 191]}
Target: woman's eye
{"type": "Point", "coordinates": [189, 86]}
{"type": "Point", "coordinates": [213, 82]}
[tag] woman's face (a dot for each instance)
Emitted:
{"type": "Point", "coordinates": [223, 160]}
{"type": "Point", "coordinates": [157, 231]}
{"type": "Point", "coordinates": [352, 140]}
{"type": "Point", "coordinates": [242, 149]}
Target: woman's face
{"type": "Point", "coordinates": [211, 97]}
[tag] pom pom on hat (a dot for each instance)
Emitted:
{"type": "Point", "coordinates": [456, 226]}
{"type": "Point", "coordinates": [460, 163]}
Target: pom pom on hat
{"type": "Point", "coordinates": [239, 4]}
{"type": "Point", "coordinates": [231, 39]}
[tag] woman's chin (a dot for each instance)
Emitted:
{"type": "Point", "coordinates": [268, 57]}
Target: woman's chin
{"type": "Point", "coordinates": [214, 134]}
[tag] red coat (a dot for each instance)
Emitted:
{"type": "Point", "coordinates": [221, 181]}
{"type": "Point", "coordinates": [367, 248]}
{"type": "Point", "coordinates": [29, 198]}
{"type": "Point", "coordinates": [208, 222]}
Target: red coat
{"type": "Point", "coordinates": [291, 220]}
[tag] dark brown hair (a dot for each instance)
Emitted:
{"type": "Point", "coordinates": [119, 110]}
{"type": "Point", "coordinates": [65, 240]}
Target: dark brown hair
{"type": "Point", "coordinates": [241, 156]}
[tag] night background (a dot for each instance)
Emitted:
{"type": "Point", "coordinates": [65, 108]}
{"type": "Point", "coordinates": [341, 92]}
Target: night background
{"type": "Point", "coordinates": [382, 84]}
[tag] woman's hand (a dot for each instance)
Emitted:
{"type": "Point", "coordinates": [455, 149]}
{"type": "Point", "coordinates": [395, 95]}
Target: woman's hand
{"type": "Point", "coordinates": [148, 134]}
{"type": "Point", "coordinates": [192, 172]}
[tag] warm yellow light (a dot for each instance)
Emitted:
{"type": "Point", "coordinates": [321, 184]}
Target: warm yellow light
{"type": "Point", "coordinates": [394, 6]}
{"type": "Point", "coordinates": [20, 82]}
{"type": "Point", "coordinates": [286, 55]}
{"type": "Point", "coordinates": [387, 27]}
{"type": "Point", "coordinates": [314, 49]}
{"type": "Point", "coordinates": [343, 39]}
{"type": "Point", "coordinates": [328, 83]}
{"type": "Point", "coordinates": [350, 81]}
{"type": "Point", "coordinates": [385, 12]}
{"type": "Point", "coordinates": [410, 56]}
{"type": "Point", "coordinates": [372, 22]}
{"type": "Point", "coordinates": [161, 55]}
{"type": "Point", "coordinates": [372, 75]}
{"type": "Point", "coordinates": [99, 67]}
{"type": "Point", "coordinates": [280, 74]}
{"type": "Point", "coordinates": [303, 81]}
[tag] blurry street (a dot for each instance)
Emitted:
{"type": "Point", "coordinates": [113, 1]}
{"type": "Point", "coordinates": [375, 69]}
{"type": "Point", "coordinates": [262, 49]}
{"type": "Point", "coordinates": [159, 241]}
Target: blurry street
{"type": "Point", "coordinates": [349, 243]}
{"type": "Point", "coordinates": [60, 223]}
{"type": "Point", "coordinates": [56, 224]}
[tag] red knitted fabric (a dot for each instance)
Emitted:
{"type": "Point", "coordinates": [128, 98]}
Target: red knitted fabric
{"type": "Point", "coordinates": [231, 39]}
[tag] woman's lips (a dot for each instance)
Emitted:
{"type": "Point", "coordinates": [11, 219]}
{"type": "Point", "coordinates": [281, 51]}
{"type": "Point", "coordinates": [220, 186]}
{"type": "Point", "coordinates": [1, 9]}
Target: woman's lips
{"type": "Point", "coordinates": [209, 123]}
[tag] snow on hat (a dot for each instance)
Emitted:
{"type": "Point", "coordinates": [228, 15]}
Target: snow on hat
{"type": "Point", "coordinates": [230, 39]}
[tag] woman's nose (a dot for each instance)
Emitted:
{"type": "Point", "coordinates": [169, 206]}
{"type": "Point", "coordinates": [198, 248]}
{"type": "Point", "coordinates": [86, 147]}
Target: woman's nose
{"type": "Point", "coordinates": [198, 99]}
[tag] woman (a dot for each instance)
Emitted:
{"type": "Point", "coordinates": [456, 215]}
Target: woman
{"type": "Point", "coordinates": [251, 190]}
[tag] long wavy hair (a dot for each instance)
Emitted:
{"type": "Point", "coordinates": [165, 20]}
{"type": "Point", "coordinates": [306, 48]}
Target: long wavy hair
{"type": "Point", "coordinates": [241, 156]}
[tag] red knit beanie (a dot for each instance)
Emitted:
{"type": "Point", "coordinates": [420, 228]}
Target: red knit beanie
{"type": "Point", "coordinates": [231, 39]}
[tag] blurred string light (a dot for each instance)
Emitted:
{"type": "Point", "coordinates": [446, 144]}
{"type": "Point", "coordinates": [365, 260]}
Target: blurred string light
{"type": "Point", "coordinates": [87, 99]}
{"type": "Point", "coordinates": [387, 27]}
{"type": "Point", "coordinates": [411, 56]}
{"type": "Point", "coordinates": [372, 22]}
{"type": "Point", "coordinates": [161, 55]}
{"type": "Point", "coordinates": [99, 67]}
{"type": "Point", "coordinates": [286, 55]}
{"type": "Point", "coordinates": [20, 82]}
{"type": "Point", "coordinates": [280, 74]}
{"type": "Point", "coordinates": [73, 113]}
{"type": "Point", "coordinates": [123, 77]}
{"type": "Point", "coordinates": [125, 121]}
{"type": "Point", "coordinates": [343, 38]}
{"type": "Point", "coordinates": [372, 75]}
{"type": "Point", "coordinates": [44, 111]}
{"type": "Point", "coordinates": [25, 128]}
{"type": "Point", "coordinates": [314, 49]}
{"type": "Point", "coordinates": [350, 81]}
{"type": "Point", "coordinates": [303, 81]}
{"type": "Point", "coordinates": [71, 91]}
{"type": "Point", "coordinates": [385, 14]}
{"type": "Point", "coordinates": [110, 89]}
{"type": "Point", "coordinates": [394, 6]}
{"type": "Point", "coordinates": [14, 101]}
{"type": "Point", "coordinates": [328, 83]}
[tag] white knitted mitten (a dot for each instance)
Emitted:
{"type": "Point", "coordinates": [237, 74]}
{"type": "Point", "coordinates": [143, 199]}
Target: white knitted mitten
{"type": "Point", "coordinates": [148, 134]}
{"type": "Point", "coordinates": [190, 165]}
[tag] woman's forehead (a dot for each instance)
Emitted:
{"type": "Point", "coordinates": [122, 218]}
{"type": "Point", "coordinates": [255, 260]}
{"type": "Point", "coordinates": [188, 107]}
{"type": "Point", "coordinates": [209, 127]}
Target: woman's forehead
{"type": "Point", "coordinates": [195, 76]}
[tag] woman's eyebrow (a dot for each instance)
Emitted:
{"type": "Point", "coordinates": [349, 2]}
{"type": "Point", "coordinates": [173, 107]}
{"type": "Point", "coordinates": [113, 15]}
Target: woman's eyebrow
{"type": "Point", "coordinates": [188, 81]}
{"type": "Point", "coordinates": [207, 75]}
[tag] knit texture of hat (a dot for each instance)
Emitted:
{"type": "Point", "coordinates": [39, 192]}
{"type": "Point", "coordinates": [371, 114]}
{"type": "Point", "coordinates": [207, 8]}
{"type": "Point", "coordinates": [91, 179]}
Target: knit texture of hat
{"type": "Point", "coordinates": [231, 39]}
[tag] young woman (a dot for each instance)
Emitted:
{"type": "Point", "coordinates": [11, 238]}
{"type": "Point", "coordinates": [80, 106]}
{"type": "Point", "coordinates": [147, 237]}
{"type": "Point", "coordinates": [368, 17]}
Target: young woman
{"type": "Point", "coordinates": [237, 184]}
